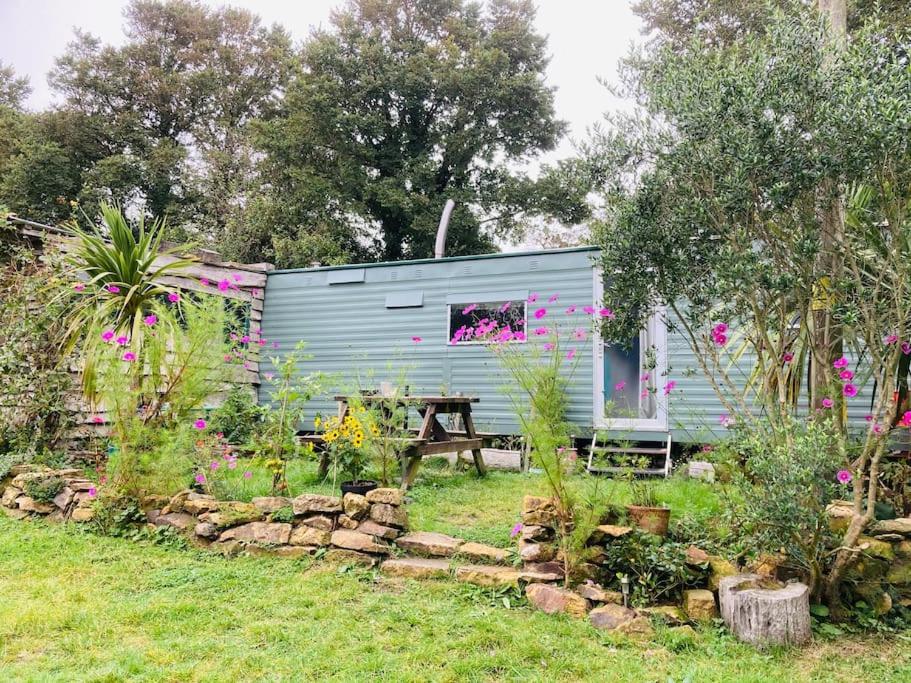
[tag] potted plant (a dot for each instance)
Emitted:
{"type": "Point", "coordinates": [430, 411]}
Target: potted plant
{"type": "Point", "coordinates": [644, 511]}
{"type": "Point", "coordinates": [344, 441]}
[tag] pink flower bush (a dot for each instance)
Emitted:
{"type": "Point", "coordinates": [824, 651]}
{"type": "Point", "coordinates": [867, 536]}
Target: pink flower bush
{"type": "Point", "coordinates": [129, 356]}
{"type": "Point", "coordinates": [122, 341]}
{"type": "Point", "coordinates": [200, 478]}
{"type": "Point", "coordinates": [174, 297]}
{"type": "Point", "coordinates": [469, 309]}
{"type": "Point", "coordinates": [92, 492]}
{"type": "Point", "coordinates": [620, 386]}
{"type": "Point", "coordinates": [200, 424]}
{"type": "Point", "coordinates": [150, 320]}
{"type": "Point", "coordinates": [570, 354]}
{"type": "Point", "coordinates": [607, 313]}
{"type": "Point", "coordinates": [505, 307]}
{"type": "Point", "coordinates": [224, 285]}
{"type": "Point", "coordinates": [846, 375]}
{"type": "Point", "coordinates": [840, 363]}
{"type": "Point", "coordinates": [669, 387]}
{"type": "Point", "coordinates": [579, 334]}
{"type": "Point", "coordinates": [590, 310]}
{"type": "Point", "coordinates": [849, 390]}
{"type": "Point", "coordinates": [113, 289]}
{"type": "Point", "coordinates": [843, 477]}
{"type": "Point", "coordinates": [549, 346]}
{"type": "Point", "coordinates": [719, 334]}
{"type": "Point", "coordinates": [532, 298]}
{"type": "Point", "coordinates": [827, 402]}
{"type": "Point", "coordinates": [570, 310]}
{"type": "Point", "coordinates": [553, 298]}
{"type": "Point", "coordinates": [516, 530]}
{"type": "Point", "coordinates": [248, 474]}
{"type": "Point", "coordinates": [540, 313]}
{"type": "Point", "coordinates": [107, 335]}
{"type": "Point", "coordinates": [541, 331]}
{"type": "Point", "coordinates": [890, 339]}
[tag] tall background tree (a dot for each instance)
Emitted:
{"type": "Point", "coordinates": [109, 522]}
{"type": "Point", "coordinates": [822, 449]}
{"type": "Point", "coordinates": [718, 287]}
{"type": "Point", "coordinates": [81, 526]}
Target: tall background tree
{"type": "Point", "coordinates": [161, 123]}
{"type": "Point", "coordinates": [395, 108]}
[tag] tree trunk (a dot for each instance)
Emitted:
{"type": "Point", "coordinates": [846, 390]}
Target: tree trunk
{"type": "Point", "coordinates": [763, 616]}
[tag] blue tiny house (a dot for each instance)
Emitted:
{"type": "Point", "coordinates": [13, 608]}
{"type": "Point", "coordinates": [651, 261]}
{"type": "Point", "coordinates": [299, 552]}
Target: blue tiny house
{"type": "Point", "coordinates": [359, 322]}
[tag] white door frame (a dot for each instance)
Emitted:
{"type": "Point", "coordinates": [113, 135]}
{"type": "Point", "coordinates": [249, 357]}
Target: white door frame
{"type": "Point", "coordinates": [657, 423]}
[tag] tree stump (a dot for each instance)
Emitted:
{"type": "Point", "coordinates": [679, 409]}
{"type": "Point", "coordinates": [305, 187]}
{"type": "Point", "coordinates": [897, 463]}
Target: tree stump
{"type": "Point", "coordinates": [761, 612]}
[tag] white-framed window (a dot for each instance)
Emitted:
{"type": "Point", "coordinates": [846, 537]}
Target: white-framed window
{"type": "Point", "coordinates": [465, 318]}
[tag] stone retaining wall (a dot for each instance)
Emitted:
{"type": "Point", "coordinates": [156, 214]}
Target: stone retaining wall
{"type": "Point", "coordinates": [351, 528]}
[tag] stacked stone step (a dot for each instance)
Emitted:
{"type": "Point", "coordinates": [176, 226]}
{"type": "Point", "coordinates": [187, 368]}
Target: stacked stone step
{"type": "Point", "coordinates": [72, 499]}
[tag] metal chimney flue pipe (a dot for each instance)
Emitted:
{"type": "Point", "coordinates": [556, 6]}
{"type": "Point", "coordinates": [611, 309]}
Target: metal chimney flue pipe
{"type": "Point", "coordinates": [439, 248]}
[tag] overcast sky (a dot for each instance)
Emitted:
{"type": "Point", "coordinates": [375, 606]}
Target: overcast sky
{"type": "Point", "coordinates": [586, 38]}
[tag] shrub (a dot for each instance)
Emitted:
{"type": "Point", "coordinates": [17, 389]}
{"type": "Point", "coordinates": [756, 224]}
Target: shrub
{"type": "Point", "coordinates": [238, 416]}
{"type": "Point", "coordinates": [285, 515]}
{"type": "Point", "coordinates": [44, 490]}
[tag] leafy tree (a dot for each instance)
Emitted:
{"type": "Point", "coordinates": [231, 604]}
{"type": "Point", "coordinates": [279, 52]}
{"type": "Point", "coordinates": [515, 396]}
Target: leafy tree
{"type": "Point", "coordinates": [13, 89]}
{"type": "Point", "coordinates": [714, 198]}
{"type": "Point", "coordinates": [723, 22]}
{"type": "Point", "coordinates": [399, 106]}
{"type": "Point", "coordinates": [171, 107]}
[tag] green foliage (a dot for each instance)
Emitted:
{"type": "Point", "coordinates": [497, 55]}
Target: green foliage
{"type": "Point", "coordinates": [345, 443]}
{"type": "Point", "coordinates": [285, 515]}
{"type": "Point", "coordinates": [44, 490]}
{"type": "Point", "coordinates": [33, 416]}
{"type": "Point", "coordinates": [786, 487]}
{"type": "Point", "coordinates": [395, 108]}
{"type": "Point", "coordinates": [289, 392]}
{"type": "Point", "coordinates": [658, 570]}
{"type": "Point", "coordinates": [238, 417]}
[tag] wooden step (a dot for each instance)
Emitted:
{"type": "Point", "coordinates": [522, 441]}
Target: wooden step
{"type": "Point", "coordinates": [651, 471]}
{"type": "Point", "coordinates": [633, 449]}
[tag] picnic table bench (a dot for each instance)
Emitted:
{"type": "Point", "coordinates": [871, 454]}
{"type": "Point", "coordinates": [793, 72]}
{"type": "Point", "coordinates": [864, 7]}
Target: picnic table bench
{"type": "Point", "coordinates": [432, 438]}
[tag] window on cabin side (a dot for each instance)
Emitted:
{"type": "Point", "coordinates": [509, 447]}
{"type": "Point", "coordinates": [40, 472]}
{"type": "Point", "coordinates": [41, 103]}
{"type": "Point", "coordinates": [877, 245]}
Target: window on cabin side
{"type": "Point", "coordinates": [464, 318]}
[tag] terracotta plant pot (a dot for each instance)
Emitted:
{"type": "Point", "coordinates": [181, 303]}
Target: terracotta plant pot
{"type": "Point", "coordinates": [652, 520]}
{"type": "Point", "coordinates": [359, 487]}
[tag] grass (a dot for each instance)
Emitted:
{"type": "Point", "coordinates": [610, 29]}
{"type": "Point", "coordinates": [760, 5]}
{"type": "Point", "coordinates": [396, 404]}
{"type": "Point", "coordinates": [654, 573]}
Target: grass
{"type": "Point", "coordinates": [459, 503]}
{"type": "Point", "coordinates": [78, 607]}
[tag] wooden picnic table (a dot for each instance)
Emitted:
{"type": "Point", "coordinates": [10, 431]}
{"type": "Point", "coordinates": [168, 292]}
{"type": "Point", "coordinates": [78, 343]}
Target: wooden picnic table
{"type": "Point", "coordinates": [432, 437]}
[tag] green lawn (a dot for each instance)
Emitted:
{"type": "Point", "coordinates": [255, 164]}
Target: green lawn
{"type": "Point", "coordinates": [79, 607]}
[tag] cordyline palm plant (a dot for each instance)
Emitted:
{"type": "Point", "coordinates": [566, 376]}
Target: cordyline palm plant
{"type": "Point", "coordinates": [120, 272]}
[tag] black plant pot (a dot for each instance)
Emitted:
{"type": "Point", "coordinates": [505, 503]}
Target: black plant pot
{"type": "Point", "coordinates": [359, 487]}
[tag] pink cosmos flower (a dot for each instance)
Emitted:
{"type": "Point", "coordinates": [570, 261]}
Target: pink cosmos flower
{"type": "Point", "coordinates": [516, 530]}
{"type": "Point", "coordinates": [877, 428]}
{"type": "Point", "coordinates": [245, 339]}
{"type": "Point", "coordinates": [644, 377]}
{"type": "Point", "coordinates": [620, 386]}
{"type": "Point", "coordinates": [787, 357]}
{"type": "Point", "coordinates": [843, 476]}
{"type": "Point", "coordinates": [570, 354]}
{"type": "Point", "coordinates": [890, 339]}
{"type": "Point", "coordinates": [113, 289]}
{"type": "Point", "coordinates": [269, 376]}
{"type": "Point", "coordinates": [827, 402]}
{"type": "Point", "coordinates": [540, 313]}
{"type": "Point", "coordinates": [589, 309]}
{"type": "Point", "coordinates": [725, 420]}
{"type": "Point", "coordinates": [906, 348]}
{"type": "Point", "coordinates": [261, 342]}
{"type": "Point", "coordinates": [174, 297]}
{"type": "Point", "coordinates": [150, 320]}
{"type": "Point", "coordinates": [224, 285]}
{"type": "Point", "coordinates": [840, 363]}
{"type": "Point", "coordinates": [849, 390]}
{"type": "Point", "coordinates": [79, 286]}
{"type": "Point", "coordinates": [107, 335]}
{"type": "Point", "coordinates": [417, 340]}
{"type": "Point", "coordinates": [129, 356]}
{"type": "Point", "coordinates": [232, 464]}
{"type": "Point", "coordinates": [204, 281]}
{"type": "Point", "coordinates": [549, 346]}
{"type": "Point", "coordinates": [519, 336]}
{"type": "Point", "coordinates": [237, 278]}
{"type": "Point", "coordinates": [906, 420]}
{"type": "Point", "coordinates": [468, 309]}
{"type": "Point", "coordinates": [607, 313]}
{"type": "Point", "coordinates": [579, 334]}
{"type": "Point", "coordinates": [248, 474]}
{"type": "Point", "coordinates": [122, 341]}
{"type": "Point", "coordinates": [540, 331]}
{"type": "Point", "coordinates": [200, 424]}
{"type": "Point", "coordinates": [200, 478]}
{"type": "Point", "coordinates": [505, 307]}
{"type": "Point", "coordinates": [669, 387]}
{"type": "Point", "coordinates": [570, 310]}
{"type": "Point", "coordinates": [846, 375]}
{"type": "Point", "coordinates": [92, 492]}
{"type": "Point", "coordinates": [532, 298]}
{"type": "Point", "coordinates": [214, 465]}
{"type": "Point", "coordinates": [97, 419]}
{"type": "Point", "coordinates": [553, 298]}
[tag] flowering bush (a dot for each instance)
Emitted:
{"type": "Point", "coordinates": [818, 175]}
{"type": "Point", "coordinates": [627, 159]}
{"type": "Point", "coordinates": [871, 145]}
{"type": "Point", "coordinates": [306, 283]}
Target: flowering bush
{"type": "Point", "coordinates": [345, 442]}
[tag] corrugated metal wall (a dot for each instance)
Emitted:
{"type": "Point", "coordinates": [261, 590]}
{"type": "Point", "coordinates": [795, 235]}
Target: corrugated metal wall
{"type": "Point", "coordinates": [350, 332]}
